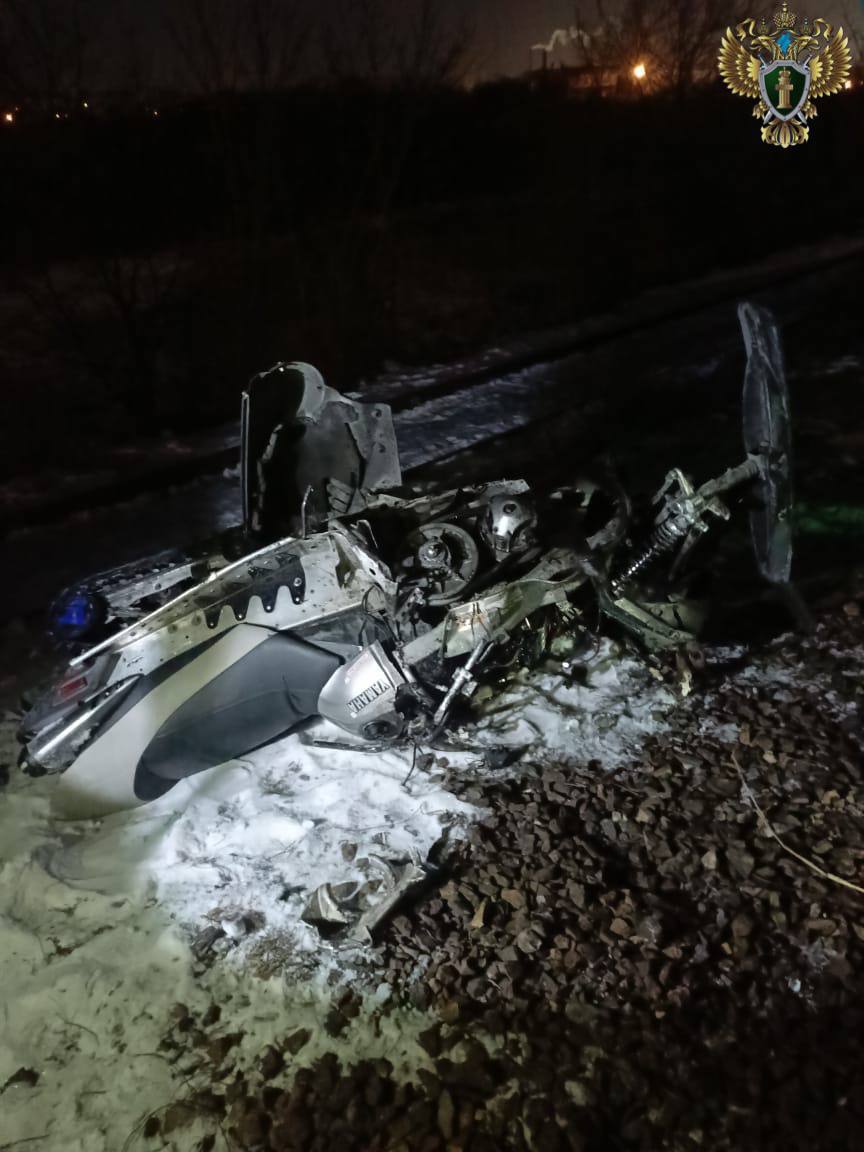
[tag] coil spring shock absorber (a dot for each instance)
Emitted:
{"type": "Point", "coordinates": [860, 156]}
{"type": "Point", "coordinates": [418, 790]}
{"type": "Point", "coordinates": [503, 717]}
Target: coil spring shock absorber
{"type": "Point", "coordinates": [665, 538]}
{"type": "Point", "coordinates": [681, 520]}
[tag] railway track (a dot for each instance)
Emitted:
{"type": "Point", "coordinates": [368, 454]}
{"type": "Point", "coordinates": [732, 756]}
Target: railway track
{"type": "Point", "coordinates": [155, 469]}
{"type": "Point", "coordinates": [664, 390]}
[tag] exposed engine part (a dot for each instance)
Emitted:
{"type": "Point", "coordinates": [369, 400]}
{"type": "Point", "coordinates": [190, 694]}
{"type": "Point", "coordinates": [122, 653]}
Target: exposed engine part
{"type": "Point", "coordinates": [462, 684]}
{"type": "Point", "coordinates": [441, 559]}
{"type": "Point", "coordinates": [508, 525]}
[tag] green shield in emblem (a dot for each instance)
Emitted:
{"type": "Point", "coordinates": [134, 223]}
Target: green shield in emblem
{"type": "Point", "coordinates": [785, 85]}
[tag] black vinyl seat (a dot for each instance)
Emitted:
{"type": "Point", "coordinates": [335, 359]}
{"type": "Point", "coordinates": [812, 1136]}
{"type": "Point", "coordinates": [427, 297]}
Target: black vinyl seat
{"type": "Point", "coordinates": [257, 699]}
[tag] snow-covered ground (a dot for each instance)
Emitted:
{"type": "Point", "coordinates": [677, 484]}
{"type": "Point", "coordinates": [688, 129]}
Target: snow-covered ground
{"type": "Point", "coordinates": [102, 922]}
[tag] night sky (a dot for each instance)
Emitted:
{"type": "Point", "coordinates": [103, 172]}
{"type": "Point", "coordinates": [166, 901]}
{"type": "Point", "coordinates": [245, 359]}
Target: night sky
{"type": "Point", "coordinates": [505, 29]}
{"type": "Point", "coordinates": [510, 27]}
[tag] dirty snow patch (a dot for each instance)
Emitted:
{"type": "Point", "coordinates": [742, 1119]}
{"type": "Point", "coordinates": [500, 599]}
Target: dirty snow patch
{"type": "Point", "coordinates": [604, 715]}
{"type": "Point", "coordinates": [97, 922]}
{"type": "Point", "coordinates": [100, 921]}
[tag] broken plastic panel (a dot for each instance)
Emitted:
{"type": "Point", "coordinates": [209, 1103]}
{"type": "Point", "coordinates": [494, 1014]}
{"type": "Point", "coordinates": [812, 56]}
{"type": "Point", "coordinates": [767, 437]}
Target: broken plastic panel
{"type": "Point", "coordinates": [297, 436]}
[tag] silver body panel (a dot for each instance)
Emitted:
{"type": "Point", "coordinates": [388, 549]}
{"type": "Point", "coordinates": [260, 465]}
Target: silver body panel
{"type": "Point", "coordinates": [102, 777]}
{"type": "Point", "coordinates": [339, 575]}
{"type": "Point", "coordinates": [361, 696]}
{"type": "Point", "coordinates": [501, 609]}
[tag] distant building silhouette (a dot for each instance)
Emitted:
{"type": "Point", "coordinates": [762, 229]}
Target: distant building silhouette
{"type": "Point", "coordinates": [578, 80]}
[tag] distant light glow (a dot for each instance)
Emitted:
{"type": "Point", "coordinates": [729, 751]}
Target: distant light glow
{"type": "Point", "coordinates": [9, 117]}
{"type": "Point", "coordinates": [640, 71]}
{"type": "Point", "coordinates": [848, 84]}
{"type": "Point", "coordinates": [84, 104]}
{"type": "Point", "coordinates": [155, 111]}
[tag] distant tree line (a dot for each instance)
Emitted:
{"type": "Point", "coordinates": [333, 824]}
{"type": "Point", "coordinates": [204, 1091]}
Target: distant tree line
{"type": "Point", "coordinates": [71, 48]}
{"type": "Point", "coordinates": [150, 265]}
{"type": "Point", "coordinates": [205, 47]}
{"type": "Point", "coordinates": [673, 42]}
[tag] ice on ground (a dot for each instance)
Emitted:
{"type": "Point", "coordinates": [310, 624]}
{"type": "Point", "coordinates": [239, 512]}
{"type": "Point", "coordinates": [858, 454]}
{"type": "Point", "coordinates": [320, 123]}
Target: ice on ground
{"type": "Point", "coordinates": [98, 919]}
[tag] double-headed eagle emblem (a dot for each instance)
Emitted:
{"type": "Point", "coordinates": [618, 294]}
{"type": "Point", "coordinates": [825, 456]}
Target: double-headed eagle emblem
{"type": "Point", "coordinates": [785, 67]}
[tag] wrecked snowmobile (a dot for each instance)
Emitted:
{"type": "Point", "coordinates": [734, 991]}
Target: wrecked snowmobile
{"type": "Point", "coordinates": [374, 605]}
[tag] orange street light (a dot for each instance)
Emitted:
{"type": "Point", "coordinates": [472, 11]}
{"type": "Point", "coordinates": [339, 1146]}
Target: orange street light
{"type": "Point", "coordinates": [9, 117]}
{"type": "Point", "coordinates": [640, 71]}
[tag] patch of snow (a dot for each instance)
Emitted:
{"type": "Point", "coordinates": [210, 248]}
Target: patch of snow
{"type": "Point", "coordinates": [719, 655]}
{"type": "Point", "coordinates": [768, 674]}
{"type": "Point", "coordinates": [98, 919]}
{"type": "Point", "coordinates": [727, 733]}
{"type": "Point", "coordinates": [790, 682]}
{"type": "Point", "coordinates": [698, 370]}
{"type": "Point", "coordinates": [478, 413]}
{"type": "Point", "coordinates": [604, 718]}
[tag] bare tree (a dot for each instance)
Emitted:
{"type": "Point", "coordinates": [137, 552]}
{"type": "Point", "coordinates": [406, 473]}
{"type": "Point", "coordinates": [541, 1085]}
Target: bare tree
{"type": "Point", "coordinates": [438, 46]}
{"type": "Point", "coordinates": [205, 35]}
{"type": "Point", "coordinates": [136, 58]}
{"type": "Point", "coordinates": [228, 45]}
{"type": "Point", "coordinates": [675, 40]}
{"type": "Point", "coordinates": [688, 36]}
{"type": "Point", "coordinates": [49, 47]}
{"type": "Point", "coordinates": [424, 43]}
{"type": "Point", "coordinates": [277, 34]}
{"type": "Point", "coordinates": [853, 25]}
